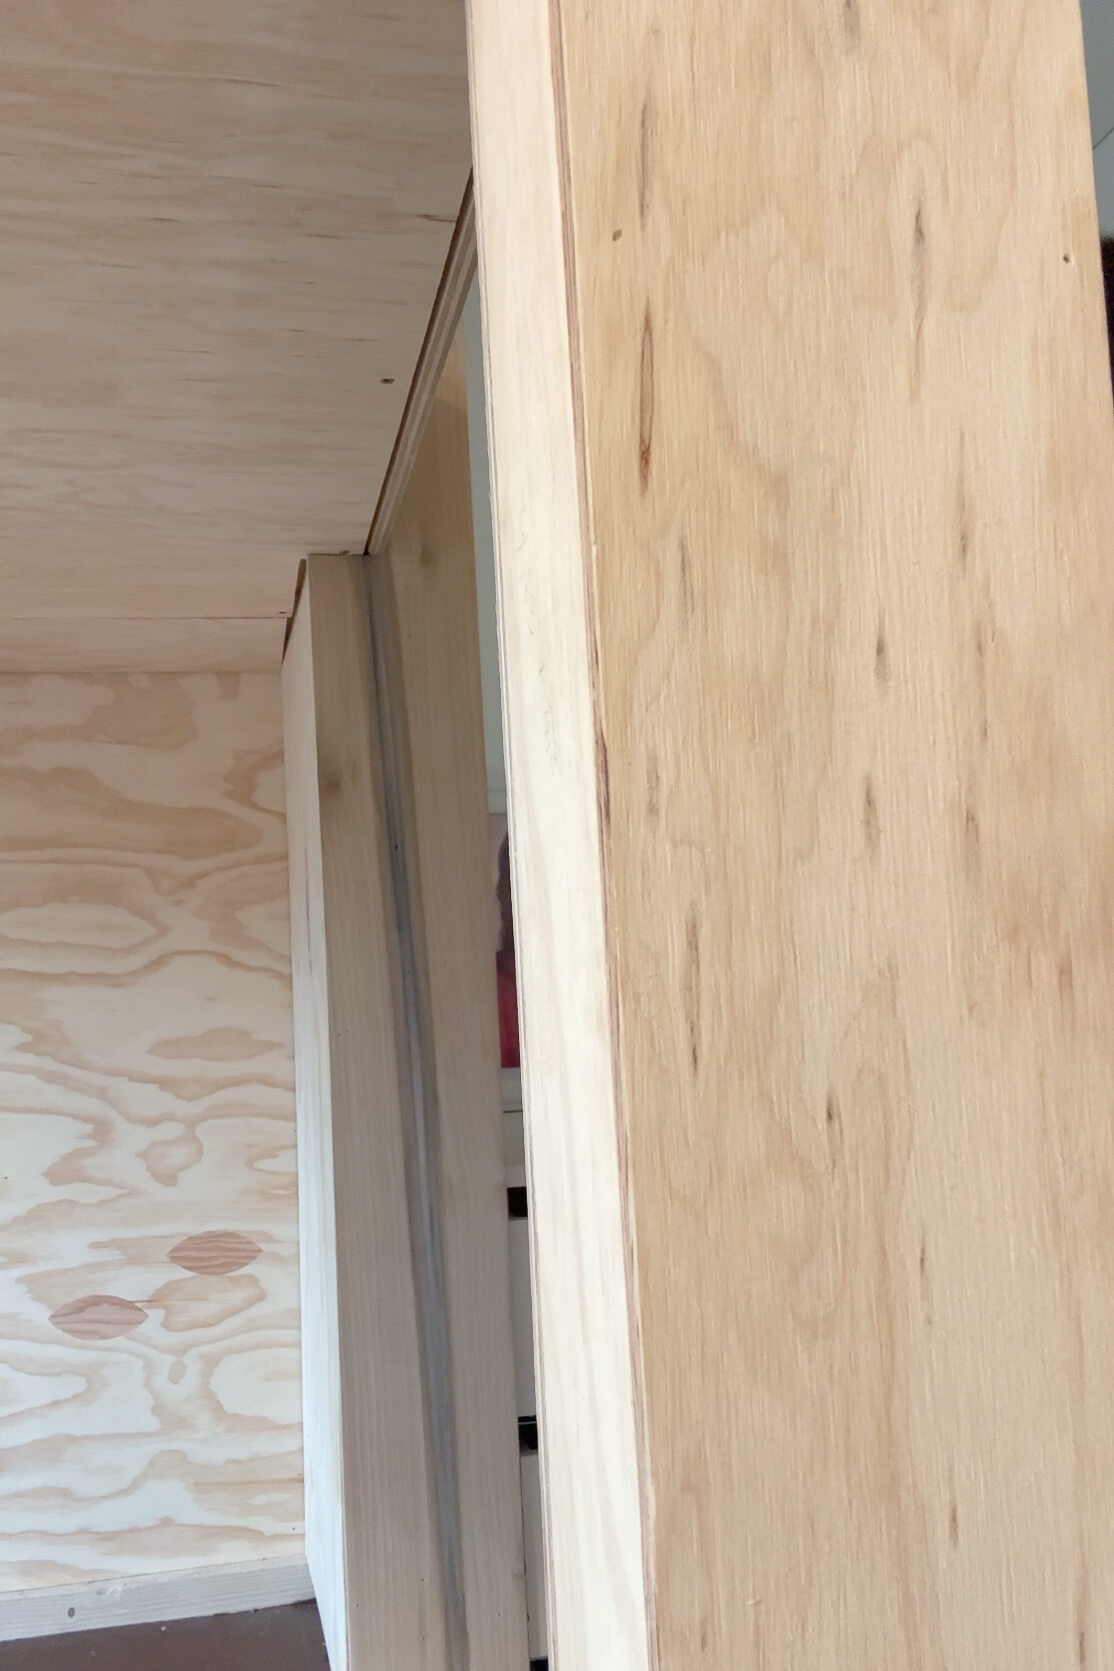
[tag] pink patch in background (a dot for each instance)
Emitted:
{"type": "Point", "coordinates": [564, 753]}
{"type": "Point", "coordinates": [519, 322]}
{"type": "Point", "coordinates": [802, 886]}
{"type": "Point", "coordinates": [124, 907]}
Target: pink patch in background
{"type": "Point", "coordinates": [505, 970]}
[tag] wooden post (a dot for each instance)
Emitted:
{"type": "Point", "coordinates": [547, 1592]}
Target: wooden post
{"type": "Point", "coordinates": [803, 479]}
{"type": "Point", "coordinates": [413, 1516]}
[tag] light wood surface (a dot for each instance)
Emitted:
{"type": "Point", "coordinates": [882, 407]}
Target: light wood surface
{"type": "Point", "coordinates": [423, 601]}
{"type": "Point", "coordinates": [224, 231]}
{"type": "Point", "coordinates": [441, 334]}
{"type": "Point", "coordinates": [149, 1392]}
{"type": "Point", "coordinates": [587, 1394]}
{"type": "Point", "coordinates": [195, 1593]}
{"type": "Point", "coordinates": [171, 645]}
{"type": "Point", "coordinates": [804, 478]}
{"type": "Point", "coordinates": [371, 1538]}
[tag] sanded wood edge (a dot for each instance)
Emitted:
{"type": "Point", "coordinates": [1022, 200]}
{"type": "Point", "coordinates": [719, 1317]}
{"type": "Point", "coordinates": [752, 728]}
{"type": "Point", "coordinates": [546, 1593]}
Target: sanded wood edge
{"type": "Point", "coordinates": [598, 1546]}
{"type": "Point", "coordinates": [448, 306]}
{"type": "Point", "coordinates": [192, 1594]}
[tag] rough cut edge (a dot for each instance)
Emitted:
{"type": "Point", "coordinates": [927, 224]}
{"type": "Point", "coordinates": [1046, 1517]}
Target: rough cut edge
{"type": "Point", "coordinates": [196, 1592]}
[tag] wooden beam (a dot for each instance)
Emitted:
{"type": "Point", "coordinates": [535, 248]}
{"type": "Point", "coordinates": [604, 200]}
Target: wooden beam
{"type": "Point", "coordinates": [371, 1532]}
{"type": "Point", "coordinates": [203, 1592]}
{"type": "Point", "coordinates": [424, 626]}
{"type": "Point", "coordinates": [803, 470]}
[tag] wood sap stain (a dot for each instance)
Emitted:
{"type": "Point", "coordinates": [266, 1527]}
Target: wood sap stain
{"type": "Point", "coordinates": [98, 1317]}
{"type": "Point", "coordinates": [215, 1253]}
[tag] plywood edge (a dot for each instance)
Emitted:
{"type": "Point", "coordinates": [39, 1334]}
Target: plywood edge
{"type": "Point", "coordinates": [592, 1475]}
{"type": "Point", "coordinates": [448, 306]}
{"type": "Point", "coordinates": [367, 1470]}
{"type": "Point", "coordinates": [133, 645]}
{"type": "Point", "coordinates": [153, 1597]}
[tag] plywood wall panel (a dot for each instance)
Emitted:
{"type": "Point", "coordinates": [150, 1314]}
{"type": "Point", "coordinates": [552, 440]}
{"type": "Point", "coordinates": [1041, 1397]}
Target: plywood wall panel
{"type": "Point", "coordinates": [371, 1514]}
{"type": "Point", "coordinates": [149, 1392]}
{"type": "Point", "coordinates": [804, 493]}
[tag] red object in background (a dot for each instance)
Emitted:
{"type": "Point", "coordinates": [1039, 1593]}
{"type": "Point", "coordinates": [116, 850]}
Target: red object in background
{"type": "Point", "coordinates": [508, 1022]}
{"type": "Point", "coordinates": [505, 972]}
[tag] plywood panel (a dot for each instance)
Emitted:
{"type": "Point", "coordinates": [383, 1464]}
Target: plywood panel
{"type": "Point", "coordinates": [149, 1394]}
{"type": "Point", "coordinates": [371, 1537]}
{"type": "Point", "coordinates": [803, 495]}
{"type": "Point", "coordinates": [423, 601]}
{"type": "Point", "coordinates": [223, 236]}
{"type": "Point", "coordinates": [171, 645]}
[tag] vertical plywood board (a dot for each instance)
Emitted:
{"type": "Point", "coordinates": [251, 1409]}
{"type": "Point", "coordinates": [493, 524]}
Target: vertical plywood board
{"type": "Point", "coordinates": [371, 1538]}
{"type": "Point", "coordinates": [423, 600]}
{"type": "Point", "coordinates": [534, 1542]}
{"type": "Point", "coordinates": [149, 1393]}
{"type": "Point", "coordinates": [802, 496]}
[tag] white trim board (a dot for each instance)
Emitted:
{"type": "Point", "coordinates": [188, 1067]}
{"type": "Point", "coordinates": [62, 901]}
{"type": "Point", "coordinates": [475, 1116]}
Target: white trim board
{"type": "Point", "coordinates": [193, 1593]}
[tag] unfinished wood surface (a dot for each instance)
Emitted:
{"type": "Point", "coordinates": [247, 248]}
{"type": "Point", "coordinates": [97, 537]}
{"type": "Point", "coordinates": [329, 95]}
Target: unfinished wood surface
{"type": "Point", "coordinates": [149, 1394]}
{"type": "Point", "coordinates": [804, 477]}
{"type": "Point", "coordinates": [174, 645]}
{"type": "Point", "coordinates": [371, 1538]}
{"type": "Point", "coordinates": [224, 231]}
{"type": "Point", "coordinates": [441, 333]}
{"type": "Point", "coordinates": [423, 602]}
{"type": "Point", "coordinates": [192, 1593]}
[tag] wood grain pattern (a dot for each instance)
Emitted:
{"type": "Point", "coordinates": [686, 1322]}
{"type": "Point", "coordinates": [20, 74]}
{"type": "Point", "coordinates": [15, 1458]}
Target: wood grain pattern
{"type": "Point", "coordinates": [423, 603]}
{"type": "Point", "coordinates": [149, 1414]}
{"type": "Point", "coordinates": [803, 496]}
{"type": "Point", "coordinates": [437, 344]}
{"type": "Point", "coordinates": [223, 237]}
{"type": "Point", "coordinates": [181, 645]}
{"type": "Point", "coordinates": [371, 1538]}
{"type": "Point", "coordinates": [585, 1383]}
